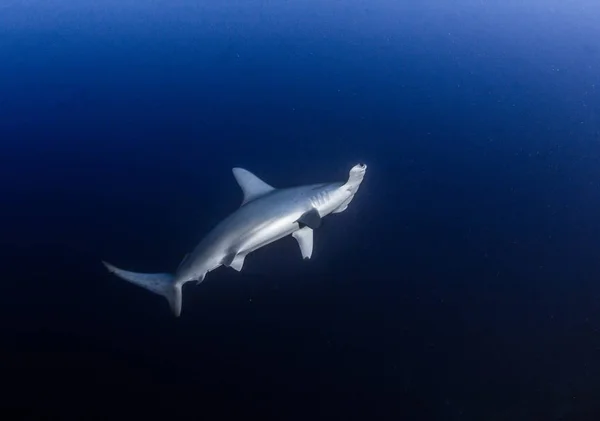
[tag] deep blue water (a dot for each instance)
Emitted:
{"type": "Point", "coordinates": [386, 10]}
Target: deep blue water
{"type": "Point", "coordinates": [462, 283]}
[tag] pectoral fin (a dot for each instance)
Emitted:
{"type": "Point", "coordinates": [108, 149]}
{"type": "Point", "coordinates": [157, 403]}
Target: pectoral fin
{"type": "Point", "coordinates": [310, 219]}
{"type": "Point", "coordinates": [304, 236]}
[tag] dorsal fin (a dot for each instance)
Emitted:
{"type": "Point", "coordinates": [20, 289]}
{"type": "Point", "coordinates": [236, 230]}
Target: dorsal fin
{"type": "Point", "coordinates": [252, 186]}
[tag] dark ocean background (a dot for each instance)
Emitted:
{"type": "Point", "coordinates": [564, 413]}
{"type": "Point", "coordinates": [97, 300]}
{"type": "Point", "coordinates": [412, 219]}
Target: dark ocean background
{"type": "Point", "coordinates": [462, 283]}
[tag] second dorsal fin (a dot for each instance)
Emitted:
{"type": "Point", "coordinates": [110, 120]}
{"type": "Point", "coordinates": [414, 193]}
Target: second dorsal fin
{"type": "Point", "coordinates": [252, 186]}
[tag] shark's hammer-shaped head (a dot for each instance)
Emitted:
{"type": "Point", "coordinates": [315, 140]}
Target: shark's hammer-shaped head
{"type": "Point", "coordinates": [357, 173]}
{"type": "Point", "coordinates": [346, 192]}
{"type": "Point", "coordinates": [358, 169]}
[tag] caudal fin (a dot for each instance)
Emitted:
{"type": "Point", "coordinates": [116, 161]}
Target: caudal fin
{"type": "Point", "coordinates": [159, 283]}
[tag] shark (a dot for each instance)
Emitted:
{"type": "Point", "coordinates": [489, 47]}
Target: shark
{"type": "Point", "coordinates": [266, 214]}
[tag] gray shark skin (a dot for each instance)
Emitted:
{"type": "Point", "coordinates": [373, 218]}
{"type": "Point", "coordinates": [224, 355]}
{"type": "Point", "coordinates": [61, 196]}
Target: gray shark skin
{"type": "Point", "coordinates": [266, 214]}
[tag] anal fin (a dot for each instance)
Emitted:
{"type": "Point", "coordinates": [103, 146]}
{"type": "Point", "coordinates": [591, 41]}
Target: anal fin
{"type": "Point", "coordinates": [304, 236]}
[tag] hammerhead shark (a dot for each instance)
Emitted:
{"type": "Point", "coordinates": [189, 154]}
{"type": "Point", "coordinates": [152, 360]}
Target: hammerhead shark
{"type": "Point", "coordinates": [266, 214]}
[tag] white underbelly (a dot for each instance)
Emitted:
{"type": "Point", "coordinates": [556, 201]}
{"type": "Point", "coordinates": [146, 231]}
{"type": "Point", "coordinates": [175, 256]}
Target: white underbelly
{"type": "Point", "coordinates": [267, 236]}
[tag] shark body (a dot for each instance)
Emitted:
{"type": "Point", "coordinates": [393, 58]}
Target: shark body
{"type": "Point", "coordinates": [266, 214]}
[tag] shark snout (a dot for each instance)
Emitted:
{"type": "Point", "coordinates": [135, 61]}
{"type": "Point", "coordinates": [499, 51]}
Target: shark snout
{"type": "Point", "coordinates": [359, 169]}
{"type": "Point", "coordinates": [357, 174]}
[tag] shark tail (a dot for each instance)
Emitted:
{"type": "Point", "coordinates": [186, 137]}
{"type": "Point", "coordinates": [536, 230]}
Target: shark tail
{"type": "Point", "coordinates": [159, 283]}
